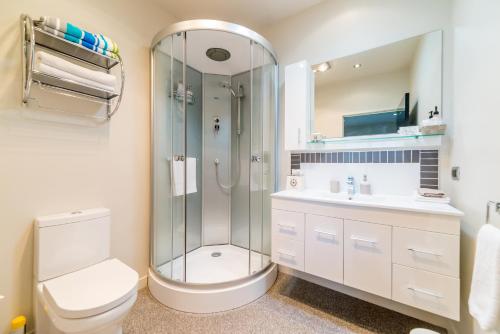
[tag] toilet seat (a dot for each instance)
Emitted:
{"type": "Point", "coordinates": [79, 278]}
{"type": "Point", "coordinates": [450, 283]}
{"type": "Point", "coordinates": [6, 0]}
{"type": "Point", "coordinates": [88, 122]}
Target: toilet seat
{"type": "Point", "coordinates": [91, 291]}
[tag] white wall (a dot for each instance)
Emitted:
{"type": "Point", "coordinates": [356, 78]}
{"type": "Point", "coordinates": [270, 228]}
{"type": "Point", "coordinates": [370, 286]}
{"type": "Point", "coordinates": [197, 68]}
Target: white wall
{"type": "Point", "coordinates": [338, 28]}
{"type": "Point", "coordinates": [356, 96]}
{"type": "Point", "coordinates": [475, 144]}
{"type": "Point", "coordinates": [426, 75]}
{"type": "Point", "coordinates": [49, 167]}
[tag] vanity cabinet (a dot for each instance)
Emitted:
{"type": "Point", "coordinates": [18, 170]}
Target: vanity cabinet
{"type": "Point", "coordinates": [324, 247]}
{"type": "Point", "coordinates": [298, 104]}
{"type": "Point", "coordinates": [409, 257]}
{"type": "Point", "coordinates": [367, 257]}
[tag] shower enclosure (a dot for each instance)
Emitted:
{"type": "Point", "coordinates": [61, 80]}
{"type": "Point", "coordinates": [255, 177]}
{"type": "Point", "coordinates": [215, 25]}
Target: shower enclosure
{"type": "Point", "coordinates": [214, 107]}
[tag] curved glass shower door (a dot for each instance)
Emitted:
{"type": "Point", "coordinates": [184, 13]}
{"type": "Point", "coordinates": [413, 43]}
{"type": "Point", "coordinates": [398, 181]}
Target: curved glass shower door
{"type": "Point", "coordinates": [214, 105]}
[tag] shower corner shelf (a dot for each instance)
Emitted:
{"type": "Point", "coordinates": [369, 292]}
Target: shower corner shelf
{"type": "Point", "coordinates": [33, 35]}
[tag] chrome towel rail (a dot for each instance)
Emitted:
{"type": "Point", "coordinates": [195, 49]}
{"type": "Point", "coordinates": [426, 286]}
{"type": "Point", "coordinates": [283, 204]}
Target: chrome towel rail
{"type": "Point", "coordinates": [33, 35]}
{"type": "Point", "coordinates": [488, 205]}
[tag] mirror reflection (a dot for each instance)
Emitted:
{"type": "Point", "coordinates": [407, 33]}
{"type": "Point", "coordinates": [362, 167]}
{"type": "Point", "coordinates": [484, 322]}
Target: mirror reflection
{"type": "Point", "coordinates": [385, 90]}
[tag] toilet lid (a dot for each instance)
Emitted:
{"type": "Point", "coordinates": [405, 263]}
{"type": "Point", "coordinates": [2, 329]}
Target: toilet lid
{"type": "Point", "coordinates": [91, 291]}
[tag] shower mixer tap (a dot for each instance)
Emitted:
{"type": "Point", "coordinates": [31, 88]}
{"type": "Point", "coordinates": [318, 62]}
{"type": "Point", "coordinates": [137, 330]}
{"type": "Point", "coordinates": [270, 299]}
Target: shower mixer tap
{"type": "Point", "coordinates": [216, 124]}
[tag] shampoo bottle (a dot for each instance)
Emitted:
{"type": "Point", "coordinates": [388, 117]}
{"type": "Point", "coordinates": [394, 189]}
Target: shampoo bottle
{"type": "Point", "coordinates": [365, 187]}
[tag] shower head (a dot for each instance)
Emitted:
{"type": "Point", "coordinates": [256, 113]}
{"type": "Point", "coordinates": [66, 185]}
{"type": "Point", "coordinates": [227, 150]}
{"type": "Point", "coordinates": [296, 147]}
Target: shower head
{"type": "Point", "coordinates": [218, 54]}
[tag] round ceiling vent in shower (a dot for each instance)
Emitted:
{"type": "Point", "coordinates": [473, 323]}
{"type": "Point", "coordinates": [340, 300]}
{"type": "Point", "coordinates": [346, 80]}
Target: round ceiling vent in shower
{"type": "Point", "coordinates": [218, 54]}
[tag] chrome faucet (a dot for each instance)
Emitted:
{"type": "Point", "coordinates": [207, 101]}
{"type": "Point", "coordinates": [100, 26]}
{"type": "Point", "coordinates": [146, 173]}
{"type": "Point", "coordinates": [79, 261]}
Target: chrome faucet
{"type": "Point", "coordinates": [350, 186]}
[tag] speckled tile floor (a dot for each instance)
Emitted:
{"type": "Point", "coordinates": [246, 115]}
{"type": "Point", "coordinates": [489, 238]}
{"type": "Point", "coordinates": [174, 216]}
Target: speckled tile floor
{"type": "Point", "coordinates": [291, 306]}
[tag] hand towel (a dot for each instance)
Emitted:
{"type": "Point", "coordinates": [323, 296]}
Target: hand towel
{"type": "Point", "coordinates": [69, 67]}
{"type": "Point", "coordinates": [427, 199]}
{"type": "Point", "coordinates": [484, 298]}
{"type": "Point", "coordinates": [80, 42]}
{"type": "Point", "coordinates": [426, 192]}
{"type": "Point", "coordinates": [69, 29]}
{"type": "Point", "coordinates": [49, 70]}
{"type": "Point", "coordinates": [178, 171]}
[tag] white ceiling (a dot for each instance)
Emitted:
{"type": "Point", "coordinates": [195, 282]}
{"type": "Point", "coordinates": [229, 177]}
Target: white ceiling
{"type": "Point", "coordinates": [254, 13]}
{"type": "Point", "coordinates": [383, 59]}
{"type": "Point", "coordinates": [199, 41]}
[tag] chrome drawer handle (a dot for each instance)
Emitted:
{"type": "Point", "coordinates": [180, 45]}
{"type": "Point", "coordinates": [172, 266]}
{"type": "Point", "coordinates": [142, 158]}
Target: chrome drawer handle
{"type": "Point", "coordinates": [325, 233]}
{"type": "Point", "coordinates": [287, 226]}
{"type": "Point", "coordinates": [281, 252]}
{"type": "Point", "coordinates": [415, 250]}
{"type": "Point", "coordinates": [356, 238]}
{"type": "Point", "coordinates": [425, 292]}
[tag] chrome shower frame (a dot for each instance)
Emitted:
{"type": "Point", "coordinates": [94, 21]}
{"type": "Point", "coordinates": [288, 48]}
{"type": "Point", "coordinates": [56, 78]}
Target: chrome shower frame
{"type": "Point", "coordinates": [215, 25]}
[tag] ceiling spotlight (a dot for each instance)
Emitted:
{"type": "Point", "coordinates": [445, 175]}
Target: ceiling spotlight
{"type": "Point", "coordinates": [357, 65]}
{"type": "Point", "coordinates": [323, 67]}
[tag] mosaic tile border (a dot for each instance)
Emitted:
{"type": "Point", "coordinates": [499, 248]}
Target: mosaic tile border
{"type": "Point", "coordinates": [428, 160]}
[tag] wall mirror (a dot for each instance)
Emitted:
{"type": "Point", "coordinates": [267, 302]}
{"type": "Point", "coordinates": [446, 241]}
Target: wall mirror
{"type": "Point", "coordinates": [378, 91]}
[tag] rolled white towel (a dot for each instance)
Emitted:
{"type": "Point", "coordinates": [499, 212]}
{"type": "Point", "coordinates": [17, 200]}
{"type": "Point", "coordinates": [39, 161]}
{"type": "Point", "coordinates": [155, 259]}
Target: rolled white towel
{"type": "Point", "coordinates": [77, 70]}
{"type": "Point", "coordinates": [46, 69]}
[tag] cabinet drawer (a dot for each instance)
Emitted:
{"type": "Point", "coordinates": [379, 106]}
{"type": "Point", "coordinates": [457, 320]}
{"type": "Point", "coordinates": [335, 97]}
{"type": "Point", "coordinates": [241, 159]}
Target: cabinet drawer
{"type": "Point", "coordinates": [428, 291]}
{"type": "Point", "coordinates": [436, 252]}
{"type": "Point", "coordinates": [288, 252]}
{"type": "Point", "coordinates": [288, 224]}
{"type": "Point", "coordinates": [324, 247]}
{"type": "Point", "coordinates": [367, 257]}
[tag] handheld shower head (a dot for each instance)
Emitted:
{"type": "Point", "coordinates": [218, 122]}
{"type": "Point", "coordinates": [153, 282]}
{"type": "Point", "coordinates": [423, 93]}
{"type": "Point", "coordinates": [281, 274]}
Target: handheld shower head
{"type": "Point", "coordinates": [227, 85]}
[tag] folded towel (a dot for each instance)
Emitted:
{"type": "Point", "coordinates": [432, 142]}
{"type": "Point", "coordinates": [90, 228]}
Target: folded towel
{"type": "Point", "coordinates": [484, 298]}
{"type": "Point", "coordinates": [178, 171]}
{"type": "Point", "coordinates": [96, 40]}
{"type": "Point", "coordinates": [440, 200]}
{"type": "Point", "coordinates": [80, 42]}
{"type": "Point", "coordinates": [100, 77]}
{"type": "Point", "coordinates": [46, 69]}
{"type": "Point", "coordinates": [427, 192]}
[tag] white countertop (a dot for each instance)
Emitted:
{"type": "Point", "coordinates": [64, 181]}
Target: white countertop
{"type": "Point", "coordinates": [403, 203]}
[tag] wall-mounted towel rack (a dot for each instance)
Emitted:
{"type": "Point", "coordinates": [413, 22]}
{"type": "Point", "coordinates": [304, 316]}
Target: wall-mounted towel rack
{"type": "Point", "coordinates": [34, 36]}
{"type": "Point", "coordinates": [496, 205]}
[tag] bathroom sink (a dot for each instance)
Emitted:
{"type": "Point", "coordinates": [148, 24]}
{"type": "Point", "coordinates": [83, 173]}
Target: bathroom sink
{"type": "Point", "coordinates": [406, 203]}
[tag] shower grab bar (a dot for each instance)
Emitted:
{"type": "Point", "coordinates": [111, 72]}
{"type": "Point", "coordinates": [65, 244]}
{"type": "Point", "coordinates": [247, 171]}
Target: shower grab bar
{"type": "Point", "coordinates": [497, 209]}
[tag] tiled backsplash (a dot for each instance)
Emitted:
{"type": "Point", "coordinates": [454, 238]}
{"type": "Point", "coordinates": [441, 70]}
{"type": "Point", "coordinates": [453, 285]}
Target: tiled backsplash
{"type": "Point", "coordinates": [428, 160]}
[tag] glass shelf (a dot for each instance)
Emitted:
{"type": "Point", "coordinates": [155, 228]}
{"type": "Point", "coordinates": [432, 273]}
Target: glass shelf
{"type": "Point", "coordinates": [373, 138]}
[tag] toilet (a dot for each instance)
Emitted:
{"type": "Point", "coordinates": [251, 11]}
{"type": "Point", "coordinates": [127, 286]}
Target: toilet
{"type": "Point", "coordinates": [78, 288]}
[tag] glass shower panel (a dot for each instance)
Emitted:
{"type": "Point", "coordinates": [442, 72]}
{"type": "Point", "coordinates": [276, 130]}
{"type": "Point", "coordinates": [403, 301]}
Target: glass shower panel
{"type": "Point", "coordinates": [256, 159]}
{"type": "Point", "coordinates": [194, 155]}
{"type": "Point", "coordinates": [162, 153]}
{"type": "Point", "coordinates": [178, 159]}
{"type": "Point", "coordinates": [269, 104]}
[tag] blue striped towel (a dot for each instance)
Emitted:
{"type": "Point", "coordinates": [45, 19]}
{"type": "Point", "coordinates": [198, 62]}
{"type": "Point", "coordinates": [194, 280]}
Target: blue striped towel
{"type": "Point", "coordinates": [76, 35]}
{"type": "Point", "coordinates": [80, 41]}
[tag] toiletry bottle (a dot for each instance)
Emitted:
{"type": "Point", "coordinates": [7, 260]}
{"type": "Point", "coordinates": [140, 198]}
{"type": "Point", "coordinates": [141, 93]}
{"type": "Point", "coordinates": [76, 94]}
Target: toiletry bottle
{"type": "Point", "coordinates": [365, 187]}
{"type": "Point", "coordinates": [435, 114]}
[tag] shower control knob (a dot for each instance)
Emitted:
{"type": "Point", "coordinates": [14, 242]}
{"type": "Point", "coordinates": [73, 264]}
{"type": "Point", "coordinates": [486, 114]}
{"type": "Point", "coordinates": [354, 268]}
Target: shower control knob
{"type": "Point", "coordinates": [256, 158]}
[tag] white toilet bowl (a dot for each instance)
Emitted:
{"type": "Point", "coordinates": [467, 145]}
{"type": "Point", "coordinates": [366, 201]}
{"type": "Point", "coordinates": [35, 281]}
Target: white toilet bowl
{"type": "Point", "coordinates": [94, 300]}
{"type": "Point", "coordinates": [79, 289]}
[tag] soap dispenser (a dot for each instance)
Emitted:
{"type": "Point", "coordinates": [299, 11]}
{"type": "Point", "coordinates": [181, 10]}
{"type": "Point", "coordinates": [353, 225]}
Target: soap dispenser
{"type": "Point", "coordinates": [365, 187]}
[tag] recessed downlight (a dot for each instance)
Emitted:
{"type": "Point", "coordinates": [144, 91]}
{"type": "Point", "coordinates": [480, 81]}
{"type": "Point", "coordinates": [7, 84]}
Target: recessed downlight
{"type": "Point", "coordinates": [323, 67]}
{"type": "Point", "coordinates": [358, 65]}
{"type": "Point", "coordinates": [218, 54]}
